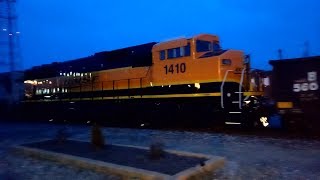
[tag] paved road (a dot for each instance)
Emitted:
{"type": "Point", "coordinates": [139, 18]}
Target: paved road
{"type": "Point", "coordinates": [249, 157]}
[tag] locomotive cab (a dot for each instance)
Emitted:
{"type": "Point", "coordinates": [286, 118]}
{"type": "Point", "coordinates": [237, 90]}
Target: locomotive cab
{"type": "Point", "coordinates": [194, 60]}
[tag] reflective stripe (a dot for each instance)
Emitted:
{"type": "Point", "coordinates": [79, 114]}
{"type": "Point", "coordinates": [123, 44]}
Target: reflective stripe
{"type": "Point", "coordinates": [133, 97]}
{"type": "Point", "coordinates": [232, 123]}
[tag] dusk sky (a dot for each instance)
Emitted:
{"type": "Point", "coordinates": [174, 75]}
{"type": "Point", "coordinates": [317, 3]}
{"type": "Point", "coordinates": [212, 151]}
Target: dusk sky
{"type": "Point", "coordinates": [59, 30]}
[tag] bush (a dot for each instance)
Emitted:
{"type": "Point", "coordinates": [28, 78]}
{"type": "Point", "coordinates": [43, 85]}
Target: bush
{"type": "Point", "coordinates": [97, 139]}
{"type": "Point", "coordinates": [156, 150]}
{"type": "Point", "coordinates": [61, 135]}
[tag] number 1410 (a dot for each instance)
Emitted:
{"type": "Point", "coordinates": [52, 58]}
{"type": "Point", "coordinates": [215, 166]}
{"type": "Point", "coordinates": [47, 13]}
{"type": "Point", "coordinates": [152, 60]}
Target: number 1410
{"type": "Point", "coordinates": [177, 68]}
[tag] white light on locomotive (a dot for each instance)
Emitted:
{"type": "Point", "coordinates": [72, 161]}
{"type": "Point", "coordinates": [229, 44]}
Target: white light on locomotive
{"type": "Point", "coordinates": [197, 85]}
{"type": "Point", "coordinates": [189, 85]}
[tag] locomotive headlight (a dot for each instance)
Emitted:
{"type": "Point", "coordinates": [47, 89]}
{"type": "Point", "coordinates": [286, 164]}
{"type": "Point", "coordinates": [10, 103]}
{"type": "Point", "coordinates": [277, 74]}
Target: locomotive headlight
{"type": "Point", "coordinates": [197, 85]}
{"type": "Point", "coordinates": [264, 121]}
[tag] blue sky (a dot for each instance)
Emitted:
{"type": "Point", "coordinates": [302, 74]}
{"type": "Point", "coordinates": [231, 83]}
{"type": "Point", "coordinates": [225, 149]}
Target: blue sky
{"type": "Point", "coordinates": [59, 30]}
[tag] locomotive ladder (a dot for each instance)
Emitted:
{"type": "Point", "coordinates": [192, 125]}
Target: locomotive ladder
{"type": "Point", "coordinates": [240, 94]}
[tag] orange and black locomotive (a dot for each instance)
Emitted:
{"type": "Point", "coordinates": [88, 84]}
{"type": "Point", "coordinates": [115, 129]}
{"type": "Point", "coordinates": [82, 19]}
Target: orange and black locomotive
{"type": "Point", "coordinates": [188, 81]}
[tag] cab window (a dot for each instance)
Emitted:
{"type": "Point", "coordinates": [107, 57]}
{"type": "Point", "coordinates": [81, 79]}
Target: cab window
{"type": "Point", "coordinates": [203, 46]}
{"type": "Point", "coordinates": [216, 47]}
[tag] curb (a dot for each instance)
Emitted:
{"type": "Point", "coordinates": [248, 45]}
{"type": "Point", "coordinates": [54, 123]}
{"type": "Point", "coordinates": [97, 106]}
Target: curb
{"type": "Point", "coordinates": [126, 172]}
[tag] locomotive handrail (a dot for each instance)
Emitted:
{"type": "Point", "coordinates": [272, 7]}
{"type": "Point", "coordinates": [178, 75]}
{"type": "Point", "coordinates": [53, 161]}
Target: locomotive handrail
{"type": "Point", "coordinates": [240, 88]}
{"type": "Point", "coordinates": [221, 87]}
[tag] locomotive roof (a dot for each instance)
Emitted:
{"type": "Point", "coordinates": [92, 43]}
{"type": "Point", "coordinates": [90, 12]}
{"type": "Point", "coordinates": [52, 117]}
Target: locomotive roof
{"type": "Point", "coordinates": [135, 56]}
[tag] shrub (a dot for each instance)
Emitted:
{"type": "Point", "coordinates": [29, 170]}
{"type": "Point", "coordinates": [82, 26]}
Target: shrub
{"type": "Point", "coordinates": [61, 135]}
{"type": "Point", "coordinates": [97, 139]}
{"type": "Point", "coordinates": [156, 150]}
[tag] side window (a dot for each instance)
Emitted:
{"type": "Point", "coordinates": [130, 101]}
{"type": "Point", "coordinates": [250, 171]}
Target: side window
{"type": "Point", "coordinates": [203, 46]}
{"type": "Point", "coordinates": [182, 53]}
{"type": "Point", "coordinates": [178, 52]}
{"type": "Point", "coordinates": [170, 54]}
{"type": "Point", "coordinates": [162, 55]}
{"type": "Point", "coordinates": [174, 53]}
{"type": "Point", "coordinates": [187, 50]}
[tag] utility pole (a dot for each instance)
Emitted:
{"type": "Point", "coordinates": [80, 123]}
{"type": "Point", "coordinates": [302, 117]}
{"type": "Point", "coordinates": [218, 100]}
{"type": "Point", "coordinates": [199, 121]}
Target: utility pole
{"type": "Point", "coordinates": [9, 52]}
